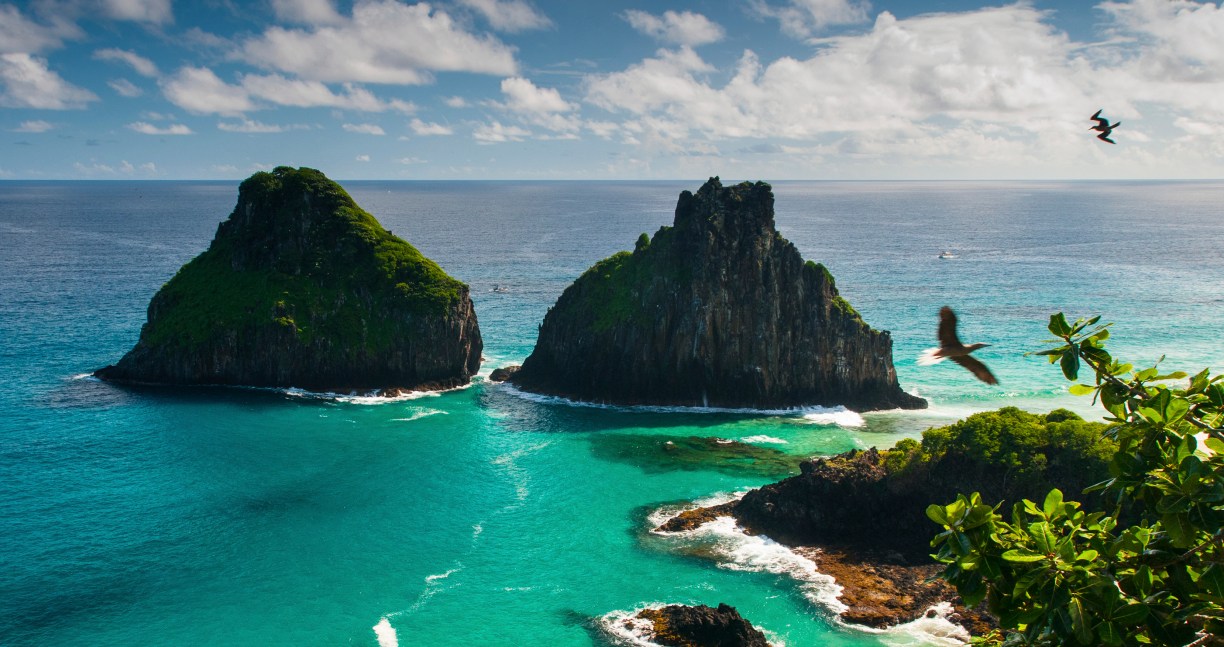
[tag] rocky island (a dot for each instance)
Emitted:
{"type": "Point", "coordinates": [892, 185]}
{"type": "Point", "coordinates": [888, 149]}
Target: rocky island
{"type": "Point", "coordinates": [302, 288]}
{"type": "Point", "coordinates": [860, 516]}
{"type": "Point", "coordinates": [717, 310]}
{"type": "Point", "coordinates": [678, 625]}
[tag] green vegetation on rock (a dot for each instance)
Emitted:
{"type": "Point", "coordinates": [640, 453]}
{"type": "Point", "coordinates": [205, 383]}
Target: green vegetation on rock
{"type": "Point", "coordinates": [266, 268]}
{"type": "Point", "coordinates": [610, 289]}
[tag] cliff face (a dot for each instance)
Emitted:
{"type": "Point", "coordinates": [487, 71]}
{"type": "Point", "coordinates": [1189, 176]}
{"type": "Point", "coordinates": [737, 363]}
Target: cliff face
{"type": "Point", "coordinates": [717, 310]}
{"type": "Point", "coordinates": [301, 287]}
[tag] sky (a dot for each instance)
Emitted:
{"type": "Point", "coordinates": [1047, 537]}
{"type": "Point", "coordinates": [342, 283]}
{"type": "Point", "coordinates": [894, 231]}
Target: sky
{"type": "Point", "coordinates": [609, 89]}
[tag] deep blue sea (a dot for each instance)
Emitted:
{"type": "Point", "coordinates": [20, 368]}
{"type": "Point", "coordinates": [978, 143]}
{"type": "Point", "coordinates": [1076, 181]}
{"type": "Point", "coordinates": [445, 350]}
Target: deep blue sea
{"type": "Point", "coordinates": [479, 516]}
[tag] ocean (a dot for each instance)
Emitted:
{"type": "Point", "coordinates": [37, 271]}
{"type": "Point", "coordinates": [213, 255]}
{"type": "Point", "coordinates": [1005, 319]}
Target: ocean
{"type": "Point", "coordinates": [483, 516]}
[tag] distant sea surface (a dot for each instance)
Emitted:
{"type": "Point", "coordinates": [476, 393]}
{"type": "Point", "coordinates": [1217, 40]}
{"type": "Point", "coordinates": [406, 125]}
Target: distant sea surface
{"type": "Point", "coordinates": [480, 516]}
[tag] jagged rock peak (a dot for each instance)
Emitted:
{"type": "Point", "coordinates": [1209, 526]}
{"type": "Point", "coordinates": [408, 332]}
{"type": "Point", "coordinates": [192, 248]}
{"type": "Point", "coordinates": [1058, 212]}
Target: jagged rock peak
{"type": "Point", "coordinates": [301, 287]}
{"type": "Point", "coordinates": [716, 310]}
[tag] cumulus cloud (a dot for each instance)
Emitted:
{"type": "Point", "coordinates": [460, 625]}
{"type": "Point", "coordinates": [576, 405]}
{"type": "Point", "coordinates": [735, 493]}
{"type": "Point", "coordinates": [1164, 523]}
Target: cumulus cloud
{"type": "Point", "coordinates": [34, 126]}
{"type": "Point", "coordinates": [200, 90]}
{"type": "Point", "coordinates": [256, 127]}
{"type": "Point", "coordinates": [125, 88]}
{"type": "Point", "coordinates": [684, 28]}
{"type": "Point", "coordinates": [151, 11]}
{"type": "Point", "coordinates": [802, 18]}
{"type": "Point", "coordinates": [310, 94]}
{"type": "Point", "coordinates": [509, 15]}
{"type": "Point", "coordinates": [309, 12]}
{"type": "Point", "coordinates": [142, 65]}
{"type": "Point", "coordinates": [456, 102]}
{"type": "Point", "coordinates": [363, 158]}
{"type": "Point", "coordinates": [146, 128]}
{"type": "Point", "coordinates": [19, 34]}
{"type": "Point", "coordinates": [427, 129]}
{"type": "Point", "coordinates": [496, 133]}
{"type": "Point", "coordinates": [525, 97]}
{"type": "Point", "coordinates": [27, 82]}
{"type": "Point", "coordinates": [364, 129]}
{"type": "Point", "coordinates": [384, 41]}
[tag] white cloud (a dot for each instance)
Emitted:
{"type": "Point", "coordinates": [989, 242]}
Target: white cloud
{"type": "Point", "coordinates": [427, 129]}
{"type": "Point", "coordinates": [199, 90]}
{"type": "Point", "coordinates": [509, 15]}
{"type": "Point", "coordinates": [125, 88]}
{"type": "Point", "coordinates": [35, 126]}
{"type": "Point", "coordinates": [684, 28]}
{"type": "Point", "coordinates": [411, 160]}
{"type": "Point", "coordinates": [147, 128]}
{"type": "Point", "coordinates": [309, 12]}
{"type": "Point", "coordinates": [364, 129]}
{"type": "Point", "coordinates": [151, 11]}
{"type": "Point", "coordinates": [249, 126]}
{"type": "Point", "coordinates": [383, 42]}
{"type": "Point", "coordinates": [28, 83]}
{"type": "Point", "coordinates": [149, 115]}
{"type": "Point", "coordinates": [802, 18]}
{"type": "Point", "coordinates": [456, 102]}
{"type": "Point", "coordinates": [142, 65]}
{"type": "Point", "coordinates": [310, 94]}
{"type": "Point", "coordinates": [363, 158]}
{"type": "Point", "coordinates": [496, 133]}
{"type": "Point", "coordinates": [19, 34]}
{"type": "Point", "coordinates": [525, 97]}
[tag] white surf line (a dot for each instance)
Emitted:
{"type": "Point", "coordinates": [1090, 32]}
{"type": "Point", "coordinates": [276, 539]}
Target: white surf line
{"type": "Point", "coordinates": [736, 550]}
{"type": "Point", "coordinates": [556, 399]}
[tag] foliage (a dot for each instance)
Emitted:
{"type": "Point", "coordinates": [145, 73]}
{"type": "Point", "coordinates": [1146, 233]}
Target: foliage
{"type": "Point", "coordinates": [263, 269]}
{"type": "Point", "coordinates": [1147, 571]}
{"type": "Point", "coordinates": [609, 291]}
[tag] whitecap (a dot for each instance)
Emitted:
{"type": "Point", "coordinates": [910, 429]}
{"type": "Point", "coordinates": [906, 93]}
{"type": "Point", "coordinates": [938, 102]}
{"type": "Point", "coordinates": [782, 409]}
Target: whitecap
{"type": "Point", "coordinates": [423, 413]}
{"type": "Point", "coordinates": [430, 579]}
{"type": "Point", "coordinates": [935, 631]}
{"type": "Point", "coordinates": [84, 376]}
{"type": "Point", "coordinates": [762, 439]}
{"type": "Point", "coordinates": [840, 416]}
{"type": "Point", "coordinates": [386, 633]}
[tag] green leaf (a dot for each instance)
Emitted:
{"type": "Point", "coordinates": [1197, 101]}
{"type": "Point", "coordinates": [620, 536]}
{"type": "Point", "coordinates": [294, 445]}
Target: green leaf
{"type": "Point", "coordinates": [1110, 633]}
{"type": "Point", "coordinates": [1212, 580]}
{"type": "Point", "coordinates": [1079, 621]}
{"type": "Point", "coordinates": [1058, 325]}
{"type": "Point", "coordinates": [1053, 503]}
{"type": "Point", "coordinates": [1021, 556]}
{"type": "Point", "coordinates": [936, 513]}
{"type": "Point", "coordinates": [1180, 530]}
{"type": "Point", "coordinates": [1081, 389]}
{"type": "Point", "coordinates": [1070, 364]}
{"type": "Point", "coordinates": [1131, 614]}
{"type": "Point", "coordinates": [1045, 540]}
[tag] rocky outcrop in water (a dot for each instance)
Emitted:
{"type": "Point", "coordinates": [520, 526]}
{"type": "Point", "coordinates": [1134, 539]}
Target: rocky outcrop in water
{"type": "Point", "coordinates": [702, 626]}
{"type": "Point", "coordinates": [301, 287]}
{"type": "Point", "coordinates": [717, 310]}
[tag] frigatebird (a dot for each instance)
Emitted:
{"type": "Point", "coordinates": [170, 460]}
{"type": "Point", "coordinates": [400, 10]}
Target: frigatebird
{"type": "Point", "coordinates": [950, 347]}
{"type": "Point", "coordinates": [1103, 126]}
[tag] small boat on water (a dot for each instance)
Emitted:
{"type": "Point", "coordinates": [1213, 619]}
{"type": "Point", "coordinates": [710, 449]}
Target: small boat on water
{"type": "Point", "coordinates": [946, 254]}
{"type": "Point", "coordinates": [499, 288]}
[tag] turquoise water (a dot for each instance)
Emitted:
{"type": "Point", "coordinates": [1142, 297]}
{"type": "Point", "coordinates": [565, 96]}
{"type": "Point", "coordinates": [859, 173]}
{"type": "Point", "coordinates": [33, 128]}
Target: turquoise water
{"type": "Point", "coordinates": [244, 517]}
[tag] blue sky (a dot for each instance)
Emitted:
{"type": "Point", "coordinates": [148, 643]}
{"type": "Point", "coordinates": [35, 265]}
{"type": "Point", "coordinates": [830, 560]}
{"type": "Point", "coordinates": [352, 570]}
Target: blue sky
{"type": "Point", "coordinates": [607, 89]}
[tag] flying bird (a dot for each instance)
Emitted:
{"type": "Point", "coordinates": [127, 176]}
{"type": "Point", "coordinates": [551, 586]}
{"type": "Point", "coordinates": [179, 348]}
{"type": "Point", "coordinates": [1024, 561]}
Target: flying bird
{"type": "Point", "coordinates": [950, 347]}
{"type": "Point", "coordinates": [1103, 126]}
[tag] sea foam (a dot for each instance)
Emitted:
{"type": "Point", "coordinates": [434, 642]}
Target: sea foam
{"type": "Point", "coordinates": [839, 412]}
{"type": "Point", "coordinates": [386, 633]}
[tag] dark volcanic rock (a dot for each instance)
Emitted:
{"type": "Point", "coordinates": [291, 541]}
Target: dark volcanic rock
{"type": "Point", "coordinates": [717, 310]}
{"type": "Point", "coordinates": [301, 287]}
{"type": "Point", "coordinates": [702, 626]}
{"type": "Point", "coordinates": [504, 373]}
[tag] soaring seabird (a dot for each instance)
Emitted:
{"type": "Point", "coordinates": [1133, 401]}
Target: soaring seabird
{"type": "Point", "coordinates": [950, 347]}
{"type": "Point", "coordinates": [1103, 126]}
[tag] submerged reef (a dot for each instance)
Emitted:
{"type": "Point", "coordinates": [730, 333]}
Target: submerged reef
{"type": "Point", "coordinates": [717, 310]}
{"type": "Point", "coordinates": [302, 288]}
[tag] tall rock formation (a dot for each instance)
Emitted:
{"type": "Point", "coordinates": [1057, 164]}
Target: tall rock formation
{"type": "Point", "coordinates": [717, 310]}
{"type": "Point", "coordinates": [301, 287]}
